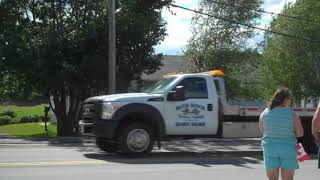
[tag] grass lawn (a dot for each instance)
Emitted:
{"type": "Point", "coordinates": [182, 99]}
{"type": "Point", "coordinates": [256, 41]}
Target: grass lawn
{"type": "Point", "coordinates": [28, 130]}
{"type": "Point", "coordinates": [24, 110]}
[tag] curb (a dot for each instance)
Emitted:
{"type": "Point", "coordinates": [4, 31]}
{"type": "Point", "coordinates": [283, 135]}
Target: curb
{"type": "Point", "coordinates": [5, 139]}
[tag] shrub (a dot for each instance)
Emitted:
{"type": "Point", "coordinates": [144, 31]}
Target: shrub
{"type": "Point", "coordinates": [42, 118]}
{"type": "Point", "coordinates": [4, 120]}
{"type": "Point", "coordinates": [10, 113]}
{"type": "Point", "coordinates": [29, 119]}
{"type": "Point", "coordinates": [15, 121]}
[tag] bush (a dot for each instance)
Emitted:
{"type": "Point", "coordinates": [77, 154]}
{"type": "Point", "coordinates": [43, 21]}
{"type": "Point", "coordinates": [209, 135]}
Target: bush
{"type": "Point", "coordinates": [15, 121]}
{"type": "Point", "coordinates": [29, 119]}
{"type": "Point", "coordinates": [4, 120]}
{"type": "Point", "coordinates": [10, 113]}
{"type": "Point", "coordinates": [42, 118]}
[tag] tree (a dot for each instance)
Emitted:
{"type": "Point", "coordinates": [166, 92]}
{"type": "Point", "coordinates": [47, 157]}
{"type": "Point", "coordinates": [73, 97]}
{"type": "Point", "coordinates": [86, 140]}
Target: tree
{"type": "Point", "coordinates": [139, 28]}
{"type": "Point", "coordinates": [14, 84]}
{"type": "Point", "coordinates": [221, 44]}
{"type": "Point", "coordinates": [64, 43]}
{"type": "Point", "coordinates": [294, 62]}
{"type": "Point", "coordinates": [243, 79]}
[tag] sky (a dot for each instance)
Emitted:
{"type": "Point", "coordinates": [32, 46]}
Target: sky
{"type": "Point", "coordinates": [179, 31]}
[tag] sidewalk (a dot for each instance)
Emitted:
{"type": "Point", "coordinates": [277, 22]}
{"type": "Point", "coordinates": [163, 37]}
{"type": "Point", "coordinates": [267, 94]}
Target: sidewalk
{"type": "Point", "coordinates": [231, 145]}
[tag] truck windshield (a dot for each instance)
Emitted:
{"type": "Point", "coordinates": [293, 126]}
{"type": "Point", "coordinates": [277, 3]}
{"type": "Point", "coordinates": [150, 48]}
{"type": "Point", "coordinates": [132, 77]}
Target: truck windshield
{"type": "Point", "coordinates": [160, 86]}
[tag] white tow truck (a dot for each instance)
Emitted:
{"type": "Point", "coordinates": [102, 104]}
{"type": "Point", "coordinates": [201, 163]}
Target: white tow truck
{"type": "Point", "coordinates": [177, 106]}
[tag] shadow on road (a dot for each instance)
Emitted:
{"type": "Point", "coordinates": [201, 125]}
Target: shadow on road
{"type": "Point", "coordinates": [203, 152]}
{"type": "Point", "coordinates": [206, 159]}
{"type": "Point", "coordinates": [235, 144]}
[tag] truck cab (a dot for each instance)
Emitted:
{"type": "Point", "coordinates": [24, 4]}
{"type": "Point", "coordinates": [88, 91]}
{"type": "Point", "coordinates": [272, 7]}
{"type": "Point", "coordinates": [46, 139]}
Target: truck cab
{"type": "Point", "coordinates": [179, 105]}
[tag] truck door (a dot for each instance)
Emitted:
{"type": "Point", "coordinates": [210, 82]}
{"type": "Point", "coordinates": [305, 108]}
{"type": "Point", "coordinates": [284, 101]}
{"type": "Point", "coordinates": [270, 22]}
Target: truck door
{"type": "Point", "coordinates": [197, 114]}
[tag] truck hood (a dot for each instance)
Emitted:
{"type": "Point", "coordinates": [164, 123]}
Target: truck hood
{"type": "Point", "coordinates": [127, 97]}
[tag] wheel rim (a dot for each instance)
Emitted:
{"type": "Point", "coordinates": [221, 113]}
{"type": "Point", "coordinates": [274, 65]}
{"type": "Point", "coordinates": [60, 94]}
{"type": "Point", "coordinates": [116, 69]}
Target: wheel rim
{"type": "Point", "coordinates": [138, 140]}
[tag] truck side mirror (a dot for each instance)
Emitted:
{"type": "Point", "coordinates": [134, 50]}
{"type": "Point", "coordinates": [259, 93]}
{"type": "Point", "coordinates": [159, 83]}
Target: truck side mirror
{"type": "Point", "coordinates": [177, 94]}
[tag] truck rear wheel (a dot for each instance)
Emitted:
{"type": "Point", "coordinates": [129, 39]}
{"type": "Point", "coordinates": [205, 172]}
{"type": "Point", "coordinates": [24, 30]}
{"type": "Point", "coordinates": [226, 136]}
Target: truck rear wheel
{"type": "Point", "coordinates": [136, 138]}
{"type": "Point", "coordinates": [220, 130]}
{"type": "Point", "coordinates": [107, 146]}
{"type": "Point", "coordinates": [220, 125]}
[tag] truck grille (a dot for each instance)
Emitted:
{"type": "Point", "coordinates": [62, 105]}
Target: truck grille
{"type": "Point", "coordinates": [90, 112]}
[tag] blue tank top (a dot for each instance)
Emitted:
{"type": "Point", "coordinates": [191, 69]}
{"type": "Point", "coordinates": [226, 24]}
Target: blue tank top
{"type": "Point", "coordinates": [278, 126]}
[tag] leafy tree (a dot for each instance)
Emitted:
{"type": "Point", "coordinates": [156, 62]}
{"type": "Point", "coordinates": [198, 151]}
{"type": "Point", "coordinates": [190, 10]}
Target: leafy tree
{"type": "Point", "coordinates": [221, 44]}
{"type": "Point", "coordinates": [294, 62]}
{"type": "Point", "coordinates": [242, 80]}
{"type": "Point", "coordinates": [14, 85]}
{"type": "Point", "coordinates": [64, 45]}
{"type": "Point", "coordinates": [139, 28]}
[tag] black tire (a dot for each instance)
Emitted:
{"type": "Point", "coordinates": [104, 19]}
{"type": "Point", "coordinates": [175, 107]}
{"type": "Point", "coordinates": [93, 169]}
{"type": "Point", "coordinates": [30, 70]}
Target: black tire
{"type": "Point", "coordinates": [107, 146]}
{"type": "Point", "coordinates": [220, 131]}
{"type": "Point", "coordinates": [136, 138]}
{"type": "Point", "coordinates": [220, 125]}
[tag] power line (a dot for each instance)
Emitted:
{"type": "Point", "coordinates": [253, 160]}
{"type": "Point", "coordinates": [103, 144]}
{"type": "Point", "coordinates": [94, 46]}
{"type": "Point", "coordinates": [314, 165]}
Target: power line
{"type": "Point", "coordinates": [247, 25]}
{"type": "Point", "coordinates": [266, 12]}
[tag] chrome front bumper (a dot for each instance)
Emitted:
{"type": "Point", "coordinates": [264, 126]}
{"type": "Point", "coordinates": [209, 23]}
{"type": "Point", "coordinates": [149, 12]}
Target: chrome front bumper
{"type": "Point", "coordinates": [86, 128]}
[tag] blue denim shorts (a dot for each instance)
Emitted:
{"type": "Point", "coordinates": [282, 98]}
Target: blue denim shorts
{"type": "Point", "coordinates": [280, 156]}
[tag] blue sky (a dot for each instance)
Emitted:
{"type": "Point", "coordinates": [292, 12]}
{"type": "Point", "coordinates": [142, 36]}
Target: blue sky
{"type": "Point", "coordinates": [178, 27]}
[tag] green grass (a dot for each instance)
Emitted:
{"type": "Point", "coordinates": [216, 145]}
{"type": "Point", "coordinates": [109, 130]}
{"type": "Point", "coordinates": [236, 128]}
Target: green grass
{"type": "Point", "coordinates": [28, 130]}
{"type": "Point", "coordinates": [24, 110]}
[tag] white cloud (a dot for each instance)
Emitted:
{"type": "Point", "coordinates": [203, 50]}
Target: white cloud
{"type": "Point", "coordinates": [187, 3]}
{"type": "Point", "coordinates": [274, 6]}
{"type": "Point", "coordinates": [178, 27]}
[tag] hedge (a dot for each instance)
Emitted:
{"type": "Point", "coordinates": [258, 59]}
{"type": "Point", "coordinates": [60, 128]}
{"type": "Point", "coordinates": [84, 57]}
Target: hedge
{"type": "Point", "coordinates": [29, 119]}
{"type": "Point", "coordinates": [10, 113]}
{"type": "Point", "coordinates": [4, 120]}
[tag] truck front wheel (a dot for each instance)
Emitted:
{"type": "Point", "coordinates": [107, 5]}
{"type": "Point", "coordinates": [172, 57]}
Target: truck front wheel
{"type": "Point", "coordinates": [136, 138]}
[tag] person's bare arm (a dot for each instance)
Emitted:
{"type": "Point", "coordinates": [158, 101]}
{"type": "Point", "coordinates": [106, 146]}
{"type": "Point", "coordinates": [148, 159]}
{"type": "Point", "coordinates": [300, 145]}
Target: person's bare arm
{"type": "Point", "coordinates": [297, 125]}
{"type": "Point", "coordinates": [315, 128]}
{"type": "Point", "coordinates": [261, 124]}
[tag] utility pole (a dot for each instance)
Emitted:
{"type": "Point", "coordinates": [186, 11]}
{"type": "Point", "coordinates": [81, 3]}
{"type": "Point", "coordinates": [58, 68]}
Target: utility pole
{"type": "Point", "coordinates": [112, 47]}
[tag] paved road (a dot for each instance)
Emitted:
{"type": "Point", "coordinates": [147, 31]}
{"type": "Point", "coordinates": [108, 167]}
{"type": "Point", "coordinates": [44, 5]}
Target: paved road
{"type": "Point", "coordinates": [52, 162]}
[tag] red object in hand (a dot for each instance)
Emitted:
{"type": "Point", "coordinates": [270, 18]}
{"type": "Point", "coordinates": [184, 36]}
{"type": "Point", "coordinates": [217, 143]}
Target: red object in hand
{"type": "Point", "coordinates": [301, 154]}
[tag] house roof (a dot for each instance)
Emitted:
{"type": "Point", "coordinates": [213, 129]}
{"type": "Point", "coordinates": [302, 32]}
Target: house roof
{"type": "Point", "coordinates": [171, 64]}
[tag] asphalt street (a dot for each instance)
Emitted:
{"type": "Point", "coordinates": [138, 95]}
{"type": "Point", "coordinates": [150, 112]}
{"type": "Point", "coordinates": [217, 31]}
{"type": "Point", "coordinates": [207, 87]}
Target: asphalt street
{"type": "Point", "coordinates": [56, 161]}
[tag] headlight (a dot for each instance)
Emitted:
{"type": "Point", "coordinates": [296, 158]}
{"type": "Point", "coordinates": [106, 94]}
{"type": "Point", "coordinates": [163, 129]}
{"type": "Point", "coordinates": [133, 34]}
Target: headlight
{"type": "Point", "coordinates": [108, 108]}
